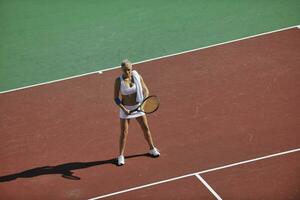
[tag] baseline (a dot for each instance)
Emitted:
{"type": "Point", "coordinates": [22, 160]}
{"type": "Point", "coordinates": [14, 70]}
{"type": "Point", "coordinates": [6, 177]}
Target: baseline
{"type": "Point", "coordinates": [148, 60]}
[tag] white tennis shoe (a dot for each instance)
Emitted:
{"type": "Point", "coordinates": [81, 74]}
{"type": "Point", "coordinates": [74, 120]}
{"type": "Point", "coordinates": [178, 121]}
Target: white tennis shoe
{"type": "Point", "coordinates": [121, 160]}
{"type": "Point", "coordinates": [154, 152]}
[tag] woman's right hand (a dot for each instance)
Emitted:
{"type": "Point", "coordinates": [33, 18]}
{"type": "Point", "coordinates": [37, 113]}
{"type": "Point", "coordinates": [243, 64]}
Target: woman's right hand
{"type": "Point", "coordinates": [126, 111]}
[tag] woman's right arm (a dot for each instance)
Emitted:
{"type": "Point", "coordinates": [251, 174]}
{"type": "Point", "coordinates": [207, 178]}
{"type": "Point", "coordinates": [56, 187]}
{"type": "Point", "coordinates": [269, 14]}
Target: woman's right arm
{"type": "Point", "coordinates": [117, 96]}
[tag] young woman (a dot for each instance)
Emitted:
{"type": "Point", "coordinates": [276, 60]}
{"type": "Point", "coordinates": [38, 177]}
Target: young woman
{"type": "Point", "coordinates": [129, 91]}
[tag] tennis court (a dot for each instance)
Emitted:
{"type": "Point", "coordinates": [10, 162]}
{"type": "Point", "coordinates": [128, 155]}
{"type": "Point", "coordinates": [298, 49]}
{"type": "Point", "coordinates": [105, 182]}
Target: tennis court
{"type": "Point", "coordinates": [227, 128]}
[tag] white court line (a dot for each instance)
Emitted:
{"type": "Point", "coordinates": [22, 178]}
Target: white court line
{"type": "Point", "coordinates": [148, 60]}
{"type": "Point", "coordinates": [194, 174]}
{"type": "Point", "coordinates": [49, 82]}
{"type": "Point", "coordinates": [208, 187]}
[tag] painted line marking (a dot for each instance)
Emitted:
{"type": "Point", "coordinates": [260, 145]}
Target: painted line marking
{"type": "Point", "coordinates": [198, 173]}
{"type": "Point", "coordinates": [152, 59]}
{"type": "Point", "coordinates": [208, 187]}
{"type": "Point", "coordinates": [46, 83]}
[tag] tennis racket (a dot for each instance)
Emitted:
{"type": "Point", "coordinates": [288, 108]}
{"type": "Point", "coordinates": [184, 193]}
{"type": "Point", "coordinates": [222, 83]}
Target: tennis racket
{"type": "Point", "coordinates": [149, 105]}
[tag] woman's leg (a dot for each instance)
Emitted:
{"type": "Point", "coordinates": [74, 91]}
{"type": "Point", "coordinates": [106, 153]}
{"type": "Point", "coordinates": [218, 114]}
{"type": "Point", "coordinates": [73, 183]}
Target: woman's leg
{"type": "Point", "coordinates": [145, 127]}
{"type": "Point", "coordinates": [123, 136]}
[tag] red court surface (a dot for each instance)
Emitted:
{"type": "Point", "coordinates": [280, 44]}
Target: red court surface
{"type": "Point", "coordinates": [187, 188]}
{"type": "Point", "coordinates": [219, 106]}
{"type": "Point", "coordinates": [275, 178]}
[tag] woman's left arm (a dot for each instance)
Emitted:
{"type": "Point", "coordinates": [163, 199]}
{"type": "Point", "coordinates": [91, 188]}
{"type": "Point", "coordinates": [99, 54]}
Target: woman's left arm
{"type": "Point", "coordinates": [145, 88]}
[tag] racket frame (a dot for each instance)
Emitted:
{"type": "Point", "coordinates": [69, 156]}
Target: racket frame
{"type": "Point", "coordinates": [139, 107]}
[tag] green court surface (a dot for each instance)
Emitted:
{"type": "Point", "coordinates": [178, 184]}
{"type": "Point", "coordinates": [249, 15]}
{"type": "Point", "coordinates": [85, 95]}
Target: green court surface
{"type": "Point", "coordinates": [43, 40]}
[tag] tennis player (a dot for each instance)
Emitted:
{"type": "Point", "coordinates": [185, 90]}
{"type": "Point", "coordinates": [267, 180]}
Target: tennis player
{"type": "Point", "coordinates": [129, 91]}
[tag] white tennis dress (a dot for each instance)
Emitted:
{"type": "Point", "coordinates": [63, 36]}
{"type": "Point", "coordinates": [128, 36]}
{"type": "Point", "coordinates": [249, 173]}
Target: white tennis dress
{"type": "Point", "coordinates": [126, 90]}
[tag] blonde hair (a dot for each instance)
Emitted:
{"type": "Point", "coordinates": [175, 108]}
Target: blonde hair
{"type": "Point", "coordinates": [125, 62]}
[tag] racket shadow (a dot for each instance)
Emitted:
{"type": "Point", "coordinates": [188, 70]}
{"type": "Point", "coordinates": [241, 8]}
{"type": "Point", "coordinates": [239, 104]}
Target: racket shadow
{"type": "Point", "coordinates": [65, 170]}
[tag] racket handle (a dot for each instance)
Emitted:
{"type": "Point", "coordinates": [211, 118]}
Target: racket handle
{"type": "Point", "coordinates": [134, 110]}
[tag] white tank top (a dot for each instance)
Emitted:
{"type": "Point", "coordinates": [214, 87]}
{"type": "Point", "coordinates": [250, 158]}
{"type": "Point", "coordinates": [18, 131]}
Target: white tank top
{"type": "Point", "coordinates": [125, 89]}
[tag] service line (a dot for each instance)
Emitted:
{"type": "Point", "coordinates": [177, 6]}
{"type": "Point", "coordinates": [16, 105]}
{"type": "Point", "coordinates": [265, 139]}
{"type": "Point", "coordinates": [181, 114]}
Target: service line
{"type": "Point", "coordinates": [197, 174]}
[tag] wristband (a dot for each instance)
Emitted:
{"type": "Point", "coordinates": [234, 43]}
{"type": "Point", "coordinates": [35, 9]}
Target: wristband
{"type": "Point", "coordinates": [118, 101]}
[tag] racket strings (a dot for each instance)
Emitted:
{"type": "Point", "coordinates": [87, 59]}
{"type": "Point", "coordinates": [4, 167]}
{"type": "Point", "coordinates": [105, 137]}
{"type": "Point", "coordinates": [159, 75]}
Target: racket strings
{"type": "Point", "coordinates": [150, 105]}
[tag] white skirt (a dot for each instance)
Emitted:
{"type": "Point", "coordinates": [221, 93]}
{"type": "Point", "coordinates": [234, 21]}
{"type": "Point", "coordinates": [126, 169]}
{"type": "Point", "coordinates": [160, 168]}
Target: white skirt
{"type": "Point", "coordinates": [135, 114]}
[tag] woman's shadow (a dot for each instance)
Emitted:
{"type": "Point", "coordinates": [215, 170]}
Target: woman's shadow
{"type": "Point", "coordinates": [66, 170]}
